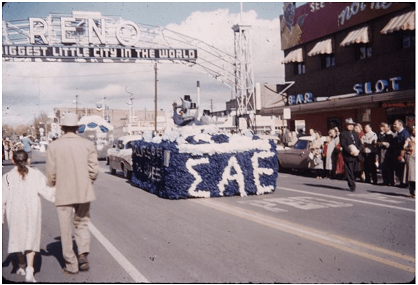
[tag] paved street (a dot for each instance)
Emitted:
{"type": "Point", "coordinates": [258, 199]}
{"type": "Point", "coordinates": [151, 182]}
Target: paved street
{"type": "Point", "coordinates": [307, 231]}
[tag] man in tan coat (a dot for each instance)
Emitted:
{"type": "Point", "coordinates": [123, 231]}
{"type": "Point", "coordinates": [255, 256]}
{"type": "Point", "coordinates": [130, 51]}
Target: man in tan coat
{"type": "Point", "coordinates": [72, 167]}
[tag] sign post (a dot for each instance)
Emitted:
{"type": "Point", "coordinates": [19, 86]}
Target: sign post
{"type": "Point", "coordinates": [155, 103]}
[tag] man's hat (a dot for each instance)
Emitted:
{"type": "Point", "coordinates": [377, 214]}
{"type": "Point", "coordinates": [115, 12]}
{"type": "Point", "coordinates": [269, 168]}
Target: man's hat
{"type": "Point", "coordinates": [349, 121]}
{"type": "Point", "coordinates": [69, 120]}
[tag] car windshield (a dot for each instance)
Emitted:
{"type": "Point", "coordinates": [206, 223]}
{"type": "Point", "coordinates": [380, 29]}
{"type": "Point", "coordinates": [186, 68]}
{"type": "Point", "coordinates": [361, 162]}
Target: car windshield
{"type": "Point", "coordinates": [301, 144]}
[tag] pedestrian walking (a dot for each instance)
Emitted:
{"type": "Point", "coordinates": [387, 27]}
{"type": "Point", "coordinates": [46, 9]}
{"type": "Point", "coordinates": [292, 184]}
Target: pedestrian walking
{"type": "Point", "coordinates": [359, 171]}
{"type": "Point", "coordinates": [409, 174]}
{"type": "Point", "coordinates": [22, 187]}
{"type": "Point", "coordinates": [316, 155]}
{"type": "Point", "coordinates": [312, 133]}
{"type": "Point", "coordinates": [358, 128]}
{"type": "Point", "coordinates": [330, 158]}
{"type": "Point", "coordinates": [287, 137]}
{"type": "Point", "coordinates": [338, 157]}
{"type": "Point", "coordinates": [324, 157]}
{"type": "Point", "coordinates": [72, 166]}
{"type": "Point", "coordinates": [369, 154]}
{"type": "Point", "coordinates": [397, 145]}
{"type": "Point", "coordinates": [351, 145]}
{"type": "Point", "coordinates": [386, 153]}
{"type": "Point", "coordinates": [27, 142]}
{"type": "Point", "coordinates": [293, 139]}
{"type": "Point", "coordinates": [7, 148]}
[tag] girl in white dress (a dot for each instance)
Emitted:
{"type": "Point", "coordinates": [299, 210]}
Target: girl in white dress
{"type": "Point", "coordinates": [22, 205]}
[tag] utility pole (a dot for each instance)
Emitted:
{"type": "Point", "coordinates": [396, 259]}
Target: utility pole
{"type": "Point", "coordinates": [104, 107]}
{"type": "Point", "coordinates": [76, 105]}
{"type": "Point", "coordinates": [155, 100]}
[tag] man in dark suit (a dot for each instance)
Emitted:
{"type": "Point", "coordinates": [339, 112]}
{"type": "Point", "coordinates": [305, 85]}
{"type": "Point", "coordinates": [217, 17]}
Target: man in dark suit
{"type": "Point", "coordinates": [386, 154]}
{"type": "Point", "coordinates": [351, 144]}
{"type": "Point", "coordinates": [396, 146]}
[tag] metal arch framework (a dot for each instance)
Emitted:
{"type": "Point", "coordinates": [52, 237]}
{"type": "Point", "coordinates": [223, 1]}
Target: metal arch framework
{"type": "Point", "coordinates": [244, 87]}
{"type": "Point", "coordinates": [236, 72]}
{"type": "Point", "coordinates": [233, 71]}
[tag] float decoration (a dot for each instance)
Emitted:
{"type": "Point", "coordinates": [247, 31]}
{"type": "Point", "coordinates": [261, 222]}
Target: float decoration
{"type": "Point", "coordinates": [181, 165]}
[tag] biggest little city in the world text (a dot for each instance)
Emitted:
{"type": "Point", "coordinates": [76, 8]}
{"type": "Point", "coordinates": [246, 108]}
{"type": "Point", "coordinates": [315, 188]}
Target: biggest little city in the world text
{"type": "Point", "coordinates": [72, 52]}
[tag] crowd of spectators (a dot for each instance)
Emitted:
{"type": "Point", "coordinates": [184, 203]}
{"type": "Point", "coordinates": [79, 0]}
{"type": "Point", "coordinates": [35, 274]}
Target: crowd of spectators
{"type": "Point", "coordinates": [10, 146]}
{"type": "Point", "coordinates": [390, 152]}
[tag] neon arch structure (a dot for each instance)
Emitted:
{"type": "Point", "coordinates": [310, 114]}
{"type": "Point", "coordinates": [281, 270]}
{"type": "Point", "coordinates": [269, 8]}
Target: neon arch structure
{"type": "Point", "coordinates": [92, 37]}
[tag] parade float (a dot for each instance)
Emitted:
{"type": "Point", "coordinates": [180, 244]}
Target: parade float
{"type": "Point", "coordinates": [99, 131]}
{"type": "Point", "coordinates": [194, 160]}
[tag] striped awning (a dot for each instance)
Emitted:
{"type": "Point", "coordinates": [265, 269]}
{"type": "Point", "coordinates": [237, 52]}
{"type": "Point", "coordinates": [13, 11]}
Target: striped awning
{"type": "Point", "coordinates": [356, 37]}
{"type": "Point", "coordinates": [322, 47]}
{"type": "Point", "coordinates": [294, 56]}
{"type": "Point", "coordinates": [402, 22]}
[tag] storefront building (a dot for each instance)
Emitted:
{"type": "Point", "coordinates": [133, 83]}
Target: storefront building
{"type": "Point", "coordinates": [347, 60]}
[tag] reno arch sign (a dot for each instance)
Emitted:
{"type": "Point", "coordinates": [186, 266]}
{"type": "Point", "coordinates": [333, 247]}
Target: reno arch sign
{"type": "Point", "coordinates": [85, 37]}
{"type": "Point", "coordinates": [38, 27]}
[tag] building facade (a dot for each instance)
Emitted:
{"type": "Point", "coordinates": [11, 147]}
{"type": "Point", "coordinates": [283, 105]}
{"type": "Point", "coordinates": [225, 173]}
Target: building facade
{"type": "Point", "coordinates": [345, 60]}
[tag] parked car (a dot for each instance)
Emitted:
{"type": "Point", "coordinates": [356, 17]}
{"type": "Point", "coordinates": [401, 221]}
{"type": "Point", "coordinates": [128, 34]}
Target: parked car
{"type": "Point", "coordinates": [296, 157]}
{"type": "Point", "coordinates": [102, 148]}
{"type": "Point", "coordinates": [36, 146]}
{"type": "Point", "coordinates": [119, 158]}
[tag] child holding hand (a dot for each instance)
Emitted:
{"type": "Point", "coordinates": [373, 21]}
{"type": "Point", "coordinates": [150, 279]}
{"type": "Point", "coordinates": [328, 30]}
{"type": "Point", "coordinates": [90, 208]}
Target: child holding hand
{"type": "Point", "coordinates": [22, 205]}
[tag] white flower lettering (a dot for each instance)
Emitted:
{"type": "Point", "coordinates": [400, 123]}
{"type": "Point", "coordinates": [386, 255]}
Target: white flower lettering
{"type": "Point", "coordinates": [192, 190]}
{"type": "Point", "coordinates": [238, 177]}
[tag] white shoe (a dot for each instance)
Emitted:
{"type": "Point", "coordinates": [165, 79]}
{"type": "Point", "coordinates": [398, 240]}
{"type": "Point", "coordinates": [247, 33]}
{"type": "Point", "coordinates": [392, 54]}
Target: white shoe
{"type": "Point", "coordinates": [21, 271]}
{"type": "Point", "coordinates": [29, 275]}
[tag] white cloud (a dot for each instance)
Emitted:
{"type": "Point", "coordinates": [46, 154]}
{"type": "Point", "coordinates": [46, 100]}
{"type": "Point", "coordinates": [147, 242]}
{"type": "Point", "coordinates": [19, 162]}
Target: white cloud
{"type": "Point", "coordinates": [31, 87]}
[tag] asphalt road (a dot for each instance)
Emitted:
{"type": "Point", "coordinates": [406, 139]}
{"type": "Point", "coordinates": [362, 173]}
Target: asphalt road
{"type": "Point", "coordinates": [307, 231]}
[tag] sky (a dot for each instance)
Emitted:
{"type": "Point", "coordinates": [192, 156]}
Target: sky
{"type": "Point", "coordinates": [29, 88]}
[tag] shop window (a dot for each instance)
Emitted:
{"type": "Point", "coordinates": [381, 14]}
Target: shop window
{"type": "Point", "coordinates": [363, 51]}
{"type": "Point", "coordinates": [300, 68]}
{"type": "Point", "coordinates": [334, 123]}
{"type": "Point", "coordinates": [328, 60]}
{"type": "Point", "coordinates": [408, 40]}
{"type": "Point", "coordinates": [365, 115]}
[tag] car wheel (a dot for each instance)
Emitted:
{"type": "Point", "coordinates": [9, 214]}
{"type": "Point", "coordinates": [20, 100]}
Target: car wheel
{"type": "Point", "coordinates": [126, 173]}
{"type": "Point", "coordinates": [112, 171]}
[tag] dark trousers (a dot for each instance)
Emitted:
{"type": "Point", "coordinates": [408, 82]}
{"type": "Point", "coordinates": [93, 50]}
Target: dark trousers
{"type": "Point", "coordinates": [412, 188]}
{"type": "Point", "coordinates": [399, 169]}
{"type": "Point", "coordinates": [370, 167]}
{"type": "Point", "coordinates": [349, 171]}
{"type": "Point", "coordinates": [385, 173]}
{"type": "Point", "coordinates": [388, 172]}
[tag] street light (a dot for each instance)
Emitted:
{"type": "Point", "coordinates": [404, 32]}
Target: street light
{"type": "Point", "coordinates": [76, 105]}
{"type": "Point", "coordinates": [130, 103]}
{"type": "Point", "coordinates": [104, 107]}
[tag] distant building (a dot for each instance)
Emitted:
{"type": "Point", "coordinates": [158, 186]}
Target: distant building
{"type": "Point", "coordinates": [141, 120]}
{"type": "Point", "coordinates": [263, 124]}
